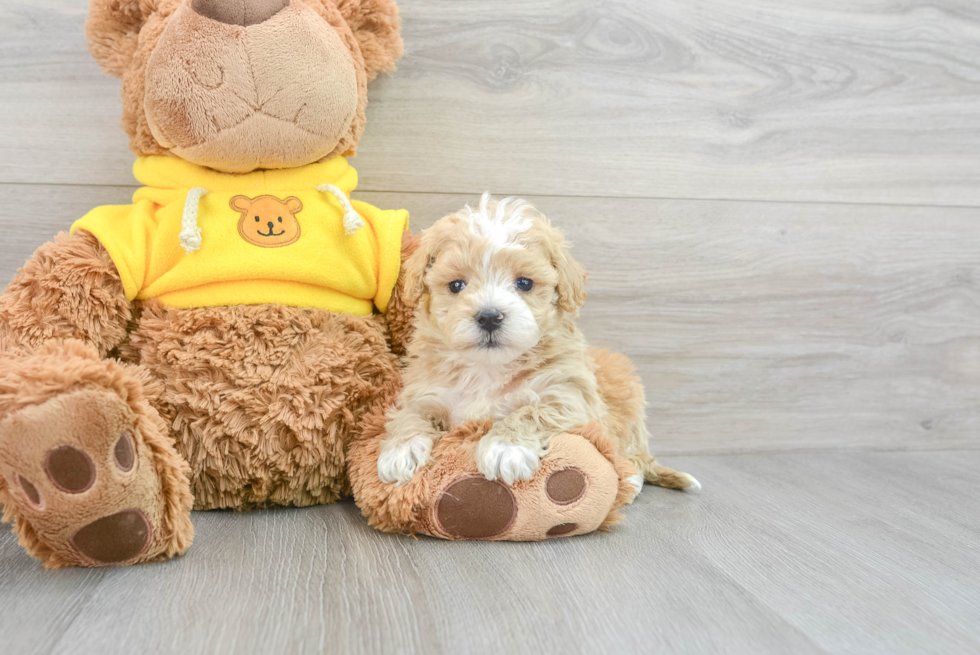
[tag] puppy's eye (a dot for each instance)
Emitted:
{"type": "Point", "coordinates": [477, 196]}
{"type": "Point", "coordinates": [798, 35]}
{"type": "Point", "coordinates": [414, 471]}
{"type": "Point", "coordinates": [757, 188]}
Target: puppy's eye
{"type": "Point", "coordinates": [524, 284]}
{"type": "Point", "coordinates": [280, 219]}
{"type": "Point", "coordinates": [257, 219]}
{"type": "Point", "coordinates": [456, 286]}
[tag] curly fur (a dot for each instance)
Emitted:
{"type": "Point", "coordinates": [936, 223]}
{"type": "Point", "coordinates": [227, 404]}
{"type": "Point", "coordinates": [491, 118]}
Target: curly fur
{"type": "Point", "coordinates": [263, 400]}
{"type": "Point", "coordinates": [57, 368]}
{"type": "Point", "coordinates": [69, 289]}
{"type": "Point", "coordinates": [534, 375]}
{"type": "Point", "coordinates": [401, 312]}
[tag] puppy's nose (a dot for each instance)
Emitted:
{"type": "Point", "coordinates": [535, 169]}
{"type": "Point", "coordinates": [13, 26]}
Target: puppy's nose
{"type": "Point", "coordinates": [239, 12]}
{"type": "Point", "coordinates": [271, 225]}
{"type": "Point", "coordinates": [489, 320]}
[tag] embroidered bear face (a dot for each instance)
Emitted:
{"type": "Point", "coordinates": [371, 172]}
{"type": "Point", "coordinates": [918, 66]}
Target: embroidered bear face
{"type": "Point", "coordinates": [268, 221]}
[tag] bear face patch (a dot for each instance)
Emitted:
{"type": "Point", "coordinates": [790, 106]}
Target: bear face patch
{"type": "Point", "coordinates": [267, 221]}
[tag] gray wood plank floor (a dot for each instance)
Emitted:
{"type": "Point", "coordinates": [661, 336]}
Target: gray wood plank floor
{"type": "Point", "coordinates": [779, 202]}
{"type": "Point", "coordinates": [782, 553]}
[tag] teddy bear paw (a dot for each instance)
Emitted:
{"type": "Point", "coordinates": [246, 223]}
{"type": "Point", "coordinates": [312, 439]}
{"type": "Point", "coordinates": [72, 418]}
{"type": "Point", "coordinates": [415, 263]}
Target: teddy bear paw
{"type": "Point", "coordinates": [572, 492]}
{"type": "Point", "coordinates": [81, 478]}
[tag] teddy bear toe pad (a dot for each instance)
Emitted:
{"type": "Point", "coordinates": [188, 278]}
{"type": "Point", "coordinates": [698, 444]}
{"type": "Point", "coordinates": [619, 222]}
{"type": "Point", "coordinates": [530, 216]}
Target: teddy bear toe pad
{"type": "Point", "coordinates": [571, 494]}
{"type": "Point", "coordinates": [114, 539]}
{"type": "Point", "coordinates": [473, 507]}
{"type": "Point", "coordinates": [83, 479]}
{"type": "Point", "coordinates": [580, 486]}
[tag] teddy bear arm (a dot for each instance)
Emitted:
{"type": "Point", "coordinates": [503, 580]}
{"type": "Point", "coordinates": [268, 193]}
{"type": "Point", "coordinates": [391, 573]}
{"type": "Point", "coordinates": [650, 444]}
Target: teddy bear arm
{"type": "Point", "coordinates": [69, 289]}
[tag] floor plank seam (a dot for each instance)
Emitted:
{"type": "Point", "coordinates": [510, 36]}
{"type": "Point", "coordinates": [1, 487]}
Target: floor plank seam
{"type": "Point", "coordinates": [766, 201]}
{"type": "Point", "coordinates": [814, 451]}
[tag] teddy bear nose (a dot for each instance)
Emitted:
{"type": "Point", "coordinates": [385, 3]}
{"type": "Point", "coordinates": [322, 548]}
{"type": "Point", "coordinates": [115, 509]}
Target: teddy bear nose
{"type": "Point", "coordinates": [239, 12]}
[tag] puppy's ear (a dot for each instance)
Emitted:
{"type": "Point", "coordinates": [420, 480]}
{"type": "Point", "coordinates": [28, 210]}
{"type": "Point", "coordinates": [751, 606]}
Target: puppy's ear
{"type": "Point", "coordinates": [571, 275]}
{"type": "Point", "coordinates": [113, 28]}
{"type": "Point", "coordinates": [413, 271]}
{"type": "Point", "coordinates": [401, 314]}
{"type": "Point", "coordinates": [430, 243]}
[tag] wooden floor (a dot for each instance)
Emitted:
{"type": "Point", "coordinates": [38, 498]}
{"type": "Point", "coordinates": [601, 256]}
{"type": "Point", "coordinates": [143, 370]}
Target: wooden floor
{"type": "Point", "coordinates": [779, 203]}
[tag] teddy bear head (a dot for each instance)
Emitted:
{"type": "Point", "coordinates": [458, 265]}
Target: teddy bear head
{"type": "Point", "coordinates": [241, 85]}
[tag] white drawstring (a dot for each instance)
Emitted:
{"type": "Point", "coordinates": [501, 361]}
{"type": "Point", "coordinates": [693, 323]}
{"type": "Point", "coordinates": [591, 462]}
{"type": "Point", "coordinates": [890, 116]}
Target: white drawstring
{"type": "Point", "coordinates": [352, 220]}
{"type": "Point", "coordinates": [190, 234]}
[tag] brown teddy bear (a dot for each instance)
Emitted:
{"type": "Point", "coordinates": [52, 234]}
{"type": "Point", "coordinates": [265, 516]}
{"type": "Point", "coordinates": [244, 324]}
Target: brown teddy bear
{"type": "Point", "coordinates": [224, 340]}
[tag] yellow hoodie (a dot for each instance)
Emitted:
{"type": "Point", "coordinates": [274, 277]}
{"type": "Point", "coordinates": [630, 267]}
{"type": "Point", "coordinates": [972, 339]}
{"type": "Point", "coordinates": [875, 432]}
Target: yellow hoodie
{"type": "Point", "coordinates": [194, 237]}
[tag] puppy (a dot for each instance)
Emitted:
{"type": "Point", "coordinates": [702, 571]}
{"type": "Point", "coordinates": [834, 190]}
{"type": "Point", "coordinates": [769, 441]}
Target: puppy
{"type": "Point", "coordinates": [497, 294]}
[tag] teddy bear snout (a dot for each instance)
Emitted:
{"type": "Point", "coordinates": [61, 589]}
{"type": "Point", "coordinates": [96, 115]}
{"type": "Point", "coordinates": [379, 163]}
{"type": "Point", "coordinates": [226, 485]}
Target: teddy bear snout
{"type": "Point", "coordinates": [239, 12]}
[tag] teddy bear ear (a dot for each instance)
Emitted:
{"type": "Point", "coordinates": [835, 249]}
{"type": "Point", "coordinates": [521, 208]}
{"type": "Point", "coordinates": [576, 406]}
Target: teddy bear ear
{"type": "Point", "coordinates": [377, 28]}
{"type": "Point", "coordinates": [241, 203]}
{"type": "Point", "coordinates": [113, 28]}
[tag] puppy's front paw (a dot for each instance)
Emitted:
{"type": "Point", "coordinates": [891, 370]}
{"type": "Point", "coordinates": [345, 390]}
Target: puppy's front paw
{"type": "Point", "coordinates": [400, 463]}
{"type": "Point", "coordinates": [498, 459]}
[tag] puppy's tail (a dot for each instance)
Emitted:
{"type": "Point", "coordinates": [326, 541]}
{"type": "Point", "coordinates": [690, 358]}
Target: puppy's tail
{"type": "Point", "coordinates": [663, 476]}
{"type": "Point", "coordinates": [621, 389]}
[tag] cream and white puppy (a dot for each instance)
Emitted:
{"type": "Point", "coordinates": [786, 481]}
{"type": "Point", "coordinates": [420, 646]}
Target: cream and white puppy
{"type": "Point", "coordinates": [497, 293]}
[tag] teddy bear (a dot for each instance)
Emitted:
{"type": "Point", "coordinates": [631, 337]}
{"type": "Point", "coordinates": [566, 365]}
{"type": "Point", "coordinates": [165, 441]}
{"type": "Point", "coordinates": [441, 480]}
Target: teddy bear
{"type": "Point", "coordinates": [231, 338]}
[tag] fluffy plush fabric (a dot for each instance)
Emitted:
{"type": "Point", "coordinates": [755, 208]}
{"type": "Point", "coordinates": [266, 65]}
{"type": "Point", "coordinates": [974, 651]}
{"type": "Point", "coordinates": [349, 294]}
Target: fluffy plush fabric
{"type": "Point", "coordinates": [376, 26]}
{"type": "Point", "coordinates": [368, 29]}
{"type": "Point", "coordinates": [532, 512]}
{"type": "Point", "coordinates": [263, 399]}
{"type": "Point", "coordinates": [69, 289]}
{"type": "Point", "coordinates": [238, 102]}
{"type": "Point", "coordinates": [102, 440]}
{"type": "Point", "coordinates": [113, 29]}
{"type": "Point", "coordinates": [65, 395]}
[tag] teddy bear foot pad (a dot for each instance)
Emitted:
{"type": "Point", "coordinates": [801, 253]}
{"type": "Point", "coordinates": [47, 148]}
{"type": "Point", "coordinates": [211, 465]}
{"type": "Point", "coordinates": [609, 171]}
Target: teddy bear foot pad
{"type": "Point", "coordinates": [82, 481]}
{"type": "Point", "coordinates": [473, 507]}
{"type": "Point", "coordinates": [579, 488]}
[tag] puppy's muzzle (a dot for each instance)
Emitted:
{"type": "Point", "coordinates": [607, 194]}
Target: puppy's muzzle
{"type": "Point", "coordinates": [489, 320]}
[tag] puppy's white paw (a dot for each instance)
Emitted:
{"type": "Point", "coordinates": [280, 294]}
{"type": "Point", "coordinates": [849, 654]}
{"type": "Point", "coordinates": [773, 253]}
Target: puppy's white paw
{"type": "Point", "coordinates": [399, 464]}
{"type": "Point", "coordinates": [510, 463]}
{"type": "Point", "coordinates": [636, 481]}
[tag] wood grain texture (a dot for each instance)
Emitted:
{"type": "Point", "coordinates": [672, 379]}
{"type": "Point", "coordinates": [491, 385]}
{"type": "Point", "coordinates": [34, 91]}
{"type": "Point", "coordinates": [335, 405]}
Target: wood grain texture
{"type": "Point", "coordinates": [782, 553]}
{"type": "Point", "coordinates": [822, 332]}
{"type": "Point", "coordinates": [873, 101]}
{"type": "Point", "coordinates": [755, 326]}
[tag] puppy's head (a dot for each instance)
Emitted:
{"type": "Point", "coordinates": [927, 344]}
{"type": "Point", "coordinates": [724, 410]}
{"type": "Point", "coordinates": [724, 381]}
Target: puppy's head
{"type": "Point", "coordinates": [489, 282]}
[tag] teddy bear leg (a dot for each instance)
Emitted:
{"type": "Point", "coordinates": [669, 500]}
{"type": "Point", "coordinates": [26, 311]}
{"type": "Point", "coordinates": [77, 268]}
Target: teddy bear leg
{"type": "Point", "coordinates": [87, 471]}
{"type": "Point", "coordinates": [580, 487]}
